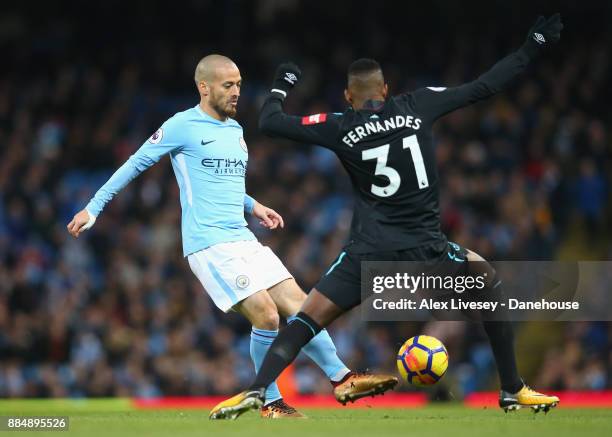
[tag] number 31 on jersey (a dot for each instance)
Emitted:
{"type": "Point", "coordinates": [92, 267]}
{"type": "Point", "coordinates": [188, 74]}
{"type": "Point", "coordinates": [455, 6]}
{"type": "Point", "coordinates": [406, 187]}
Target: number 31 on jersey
{"type": "Point", "coordinates": [381, 154]}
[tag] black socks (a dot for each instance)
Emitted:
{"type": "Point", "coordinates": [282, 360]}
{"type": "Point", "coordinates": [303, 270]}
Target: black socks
{"type": "Point", "coordinates": [501, 337]}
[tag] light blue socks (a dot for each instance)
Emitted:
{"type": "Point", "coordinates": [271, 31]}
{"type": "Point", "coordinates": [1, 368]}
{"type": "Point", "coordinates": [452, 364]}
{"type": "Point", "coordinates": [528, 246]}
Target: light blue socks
{"type": "Point", "coordinates": [261, 339]}
{"type": "Point", "coordinates": [322, 351]}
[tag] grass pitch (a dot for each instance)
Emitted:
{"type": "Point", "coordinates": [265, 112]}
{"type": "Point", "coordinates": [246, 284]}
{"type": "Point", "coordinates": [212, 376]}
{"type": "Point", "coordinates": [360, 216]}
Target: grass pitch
{"type": "Point", "coordinates": [116, 417]}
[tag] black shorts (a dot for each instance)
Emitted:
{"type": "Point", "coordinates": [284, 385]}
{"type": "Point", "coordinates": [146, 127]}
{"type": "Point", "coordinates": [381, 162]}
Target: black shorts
{"type": "Point", "coordinates": [342, 282]}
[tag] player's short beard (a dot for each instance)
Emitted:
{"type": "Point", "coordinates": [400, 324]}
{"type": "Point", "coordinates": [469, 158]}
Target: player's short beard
{"type": "Point", "coordinates": [221, 106]}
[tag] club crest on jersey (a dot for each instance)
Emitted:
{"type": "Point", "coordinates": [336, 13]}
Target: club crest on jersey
{"type": "Point", "coordinates": [243, 144]}
{"type": "Point", "coordinates": [157, 136]}
{"type": "Point", "coordinates": [314, 119]}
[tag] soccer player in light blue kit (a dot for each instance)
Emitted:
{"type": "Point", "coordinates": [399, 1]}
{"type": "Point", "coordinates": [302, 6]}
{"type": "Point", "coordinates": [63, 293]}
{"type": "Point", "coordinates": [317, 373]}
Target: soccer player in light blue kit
{"type": "Point", "coordinates": [209, 156]}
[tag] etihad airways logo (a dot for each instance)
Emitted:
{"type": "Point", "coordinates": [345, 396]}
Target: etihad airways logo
{"type": "Point", "coordinates": [225, 166]}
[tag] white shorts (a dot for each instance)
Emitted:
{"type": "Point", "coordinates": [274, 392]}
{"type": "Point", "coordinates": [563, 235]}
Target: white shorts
{"type": "Point", "coordinates": [231, 272]}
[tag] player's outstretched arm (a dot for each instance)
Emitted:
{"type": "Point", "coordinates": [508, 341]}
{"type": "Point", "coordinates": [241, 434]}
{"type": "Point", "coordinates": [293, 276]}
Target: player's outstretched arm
{"type": "Point", "coordinates": [435, 102]}
{"type": "Point", "coordinates": [315, 129]}
{"type": "Point", "coordinates": [163, 141]}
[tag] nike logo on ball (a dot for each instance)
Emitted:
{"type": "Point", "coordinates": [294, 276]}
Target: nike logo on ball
{"type": "Point", "coordinates": [206, 142]}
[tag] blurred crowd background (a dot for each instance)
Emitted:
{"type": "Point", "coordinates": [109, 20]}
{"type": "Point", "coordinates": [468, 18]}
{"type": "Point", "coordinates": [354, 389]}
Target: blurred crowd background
{"type": "Point", "coordinates": [117, 312]}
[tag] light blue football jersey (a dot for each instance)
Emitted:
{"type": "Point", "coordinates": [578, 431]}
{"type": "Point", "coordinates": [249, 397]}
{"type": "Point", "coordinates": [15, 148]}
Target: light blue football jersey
{"type": "Point", "coordinates": [209, 158]}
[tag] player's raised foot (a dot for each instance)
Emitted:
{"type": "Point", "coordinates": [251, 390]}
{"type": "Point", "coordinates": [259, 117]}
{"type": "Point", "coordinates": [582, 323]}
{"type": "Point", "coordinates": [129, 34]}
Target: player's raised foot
{"type": "Point", "coordinates": [279, 409]}
{"type": "Point", "coordinates": [241, 403]}
{"type": "Point", "coordinates": [527, 398]}
{"type": "Point", "coordinates": [359, 385]}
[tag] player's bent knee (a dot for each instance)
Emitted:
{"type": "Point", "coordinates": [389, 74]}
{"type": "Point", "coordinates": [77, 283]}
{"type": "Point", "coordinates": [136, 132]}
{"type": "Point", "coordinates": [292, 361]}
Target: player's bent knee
{"type": "Point", "coordinates": [269, 318]}
{"type": "Point", "coordinates": [260, 310]}
{"type": "Point", "coordinates": [288, 297]}
{"type": "Point", "coordinates": [266, 316]}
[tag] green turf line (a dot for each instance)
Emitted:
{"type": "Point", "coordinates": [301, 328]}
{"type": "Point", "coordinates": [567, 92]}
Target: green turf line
{"type": "Point", "coordinates": [116, 418]}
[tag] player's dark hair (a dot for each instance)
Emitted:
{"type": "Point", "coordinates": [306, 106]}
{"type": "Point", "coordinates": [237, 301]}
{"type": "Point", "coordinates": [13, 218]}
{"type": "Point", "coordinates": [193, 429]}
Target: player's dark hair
{"type": "Point", "coordinates": [363, 66]}
{"type": "Point", "coordinates": [365, 81]}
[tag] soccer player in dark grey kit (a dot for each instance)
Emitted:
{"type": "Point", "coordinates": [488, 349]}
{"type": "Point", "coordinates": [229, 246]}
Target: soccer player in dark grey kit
{"type": "Point", "coordinates": [385, 144]}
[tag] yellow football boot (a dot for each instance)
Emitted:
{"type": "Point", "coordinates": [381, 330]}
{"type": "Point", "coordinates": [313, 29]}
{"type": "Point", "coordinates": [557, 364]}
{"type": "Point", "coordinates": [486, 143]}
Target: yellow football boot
{"type": "Point", "coordinates": [239, 404]}
{"type": "Point", "coordinates": [527, 398]}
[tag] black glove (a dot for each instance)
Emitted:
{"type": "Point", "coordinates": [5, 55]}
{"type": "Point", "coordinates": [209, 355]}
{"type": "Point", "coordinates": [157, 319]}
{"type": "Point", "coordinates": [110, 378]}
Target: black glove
{"type": "Point", "coordinates": [542, 34]}
{"type": "Point", "coordinates": [285, 78]}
